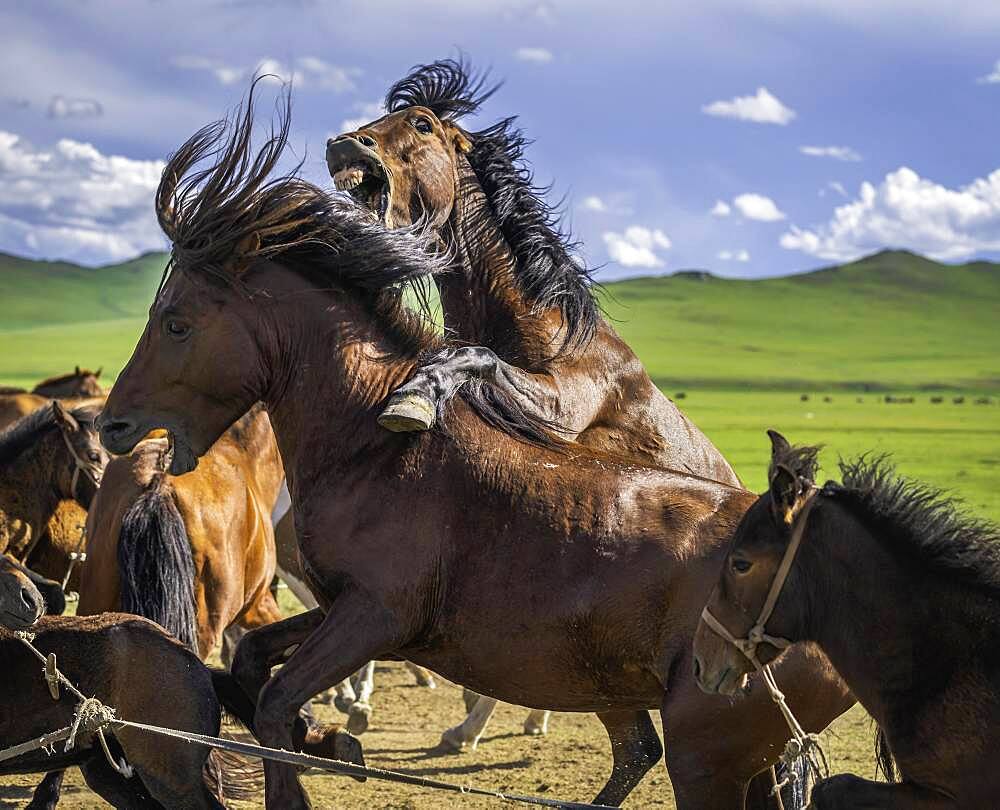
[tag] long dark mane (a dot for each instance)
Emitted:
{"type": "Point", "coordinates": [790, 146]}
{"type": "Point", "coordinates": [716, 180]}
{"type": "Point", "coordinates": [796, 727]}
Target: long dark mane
{"type": "Point", "coordinates": [547, 267]}
{"type": "Point", "coordinates": [922, 522]}
{"type": "Point", "coordinates": [27, 431]}
{"type": "Point", "coordinates": [224, 207]}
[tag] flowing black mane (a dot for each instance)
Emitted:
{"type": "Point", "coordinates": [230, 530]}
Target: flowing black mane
{"type": "Point", "coordinates": [922, 522]}
{"type": "Point", "coordinates": [17, 437]}
{"type": "Point", "coordinates": [224, 207]}
{"type": "Point", "coordinates": [548, 271]}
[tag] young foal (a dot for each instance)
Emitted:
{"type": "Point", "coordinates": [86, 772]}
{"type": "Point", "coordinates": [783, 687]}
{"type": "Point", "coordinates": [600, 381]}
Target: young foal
{"type": "Point", "coordinates": [902, 592]}
{"type": "Point", "coordinates": [548, 576]}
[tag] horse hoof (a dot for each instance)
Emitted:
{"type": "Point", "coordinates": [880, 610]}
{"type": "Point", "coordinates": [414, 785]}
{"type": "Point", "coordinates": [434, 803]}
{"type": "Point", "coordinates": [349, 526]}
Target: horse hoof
{"type": "Point", "coordinates": [452, 741]}
{"type": "Point", "coordinates": [343, 704]}
{"type": "Point", "coordinates": [358, 717]}
{"type": "Point", "coordinates": [470, 699]}
{"type": "Point", "coordinates": [408, 413]}
{"type": "Point", "coordinates": [427, 681]}
{"type": "Point", "coordinates": [537, 724]}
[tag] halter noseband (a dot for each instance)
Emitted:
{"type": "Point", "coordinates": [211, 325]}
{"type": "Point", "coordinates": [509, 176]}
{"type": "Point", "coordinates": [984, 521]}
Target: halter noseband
{"type": "Point", "coordinates": [90, 469]}
{"type": "Point", "coordinates": [756, 635]}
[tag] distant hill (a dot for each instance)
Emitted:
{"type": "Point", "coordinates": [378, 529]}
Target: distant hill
{"type": "Point", "coordinates": [891, 321]}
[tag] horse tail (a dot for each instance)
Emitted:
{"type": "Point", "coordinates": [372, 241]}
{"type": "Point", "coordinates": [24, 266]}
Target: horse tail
{"type": "Point", "coordinates": [155, 563]}
{"type": "Point", "coordinates": [228, 775]}
{"type": "Point", "coordinates": [884, 762]}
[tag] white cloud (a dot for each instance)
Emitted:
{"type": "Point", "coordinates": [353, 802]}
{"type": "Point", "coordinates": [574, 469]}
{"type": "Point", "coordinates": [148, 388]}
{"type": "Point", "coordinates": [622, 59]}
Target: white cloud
{"type": "Point", "coordinates": [540, 56]}
{"type": "Point", "coordinates": [73, 202]}
{"type": "Point", "coordinates": [721, 209]}
{"type": "Point", "coordinates": [62, 107]}
{"type": "Point", "coordinates": [637, 246]}
{"type": "Point", "coordinates": [908, 211]}
{"type": "Point", "coordinates": [762, 108]}
{"type": "Point", "coordinates": [836, 152]}
{"type": "Point", "coordinates": [835, 187]}
{"type": "Point", "coordinates": [758, 207]}
{"type": "Point", "coordinates": [307, 71]}
{"type": "Point", "coordinates": [991, 78]}
{"type": "Point", "coordinates": [734, 255]}
{"type": "Point", "coordinates": [368, 111]}
{"type": "Point", "coordinates": [594, 203]}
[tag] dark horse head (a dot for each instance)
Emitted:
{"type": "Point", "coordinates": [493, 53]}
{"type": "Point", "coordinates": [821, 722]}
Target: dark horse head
{"type": "Point", "coordinates": [21, 603]}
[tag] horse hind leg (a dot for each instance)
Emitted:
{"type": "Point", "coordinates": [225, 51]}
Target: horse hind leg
{"type": "Point", "coordinates": [360, 712]}
{"type": "Point", "coordinates": [424, 677]}
{"type": "Point", "coordinates": [635, 749]}
{"type": "Point", "coordinates": [467, 733]}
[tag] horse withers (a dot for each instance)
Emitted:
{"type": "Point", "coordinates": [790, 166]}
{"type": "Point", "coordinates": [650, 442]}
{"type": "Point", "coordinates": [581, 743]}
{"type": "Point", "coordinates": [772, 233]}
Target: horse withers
{"type": "Point", "coordinates": [902, 592]}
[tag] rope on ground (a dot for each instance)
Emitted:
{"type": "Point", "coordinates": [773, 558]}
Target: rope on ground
{"type": "Point", "coordinates": [91, 717]}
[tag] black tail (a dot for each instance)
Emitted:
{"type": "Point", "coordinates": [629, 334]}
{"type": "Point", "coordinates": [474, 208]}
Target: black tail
{"type": "Point", "coordinates": [228, 775]}
{"type": "Point", "coordinates": [156, 568]}
{"type": "Point", "coordinates": [884, 763]}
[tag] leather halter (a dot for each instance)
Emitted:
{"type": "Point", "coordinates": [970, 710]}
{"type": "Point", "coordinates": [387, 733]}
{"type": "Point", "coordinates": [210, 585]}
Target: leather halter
{"type": "Point", "coordinates": [756, 635]}
{"type": "Point", "coordinates": [90, 469]}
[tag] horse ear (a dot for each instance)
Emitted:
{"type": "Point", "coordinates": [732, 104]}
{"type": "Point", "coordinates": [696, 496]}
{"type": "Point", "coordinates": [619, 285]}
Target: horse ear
{"type": "Point", "coordinates": [779, 444]}
{"type": "Point", "coordinates": [459, 140]}
{"type": "Point", "coordinates": [77, 372]}
{"type": "Point", "coordinates": [64, 418]}
{"type": "Point", "coordinates": [244, 250]}
{"type": "Point", "coordinates": [98, 372]}
{"type": "Point", "coordinates": [784, 487]}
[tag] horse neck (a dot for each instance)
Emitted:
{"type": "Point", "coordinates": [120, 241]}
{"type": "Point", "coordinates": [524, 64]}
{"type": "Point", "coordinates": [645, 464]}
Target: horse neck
{"type": "Point", "coordinates": [29, 493]}
{"type": "Point", "coordinates": [866, 610]}
{"type": "Point", "coordinates": [481, 298]}
{"type": "Point", "coordinates": [330, 374]}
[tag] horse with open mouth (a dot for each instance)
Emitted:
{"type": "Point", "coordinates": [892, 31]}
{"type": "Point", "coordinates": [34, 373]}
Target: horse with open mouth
{"type": "Point", "coordinates": [514, 286]}
{"type": "Point", "coordinates": [536, 571]}
{"type": "Point", "coordinates": [901, 590]}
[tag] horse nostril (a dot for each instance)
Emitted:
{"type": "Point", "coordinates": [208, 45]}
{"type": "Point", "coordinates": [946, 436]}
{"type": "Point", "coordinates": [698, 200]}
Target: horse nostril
{"type": "Point", "coordinates": [369, 142]}
{"type": "Point", "coordinates": [697, 668]}
{"type": "Point", "coordinates": [28, 598]}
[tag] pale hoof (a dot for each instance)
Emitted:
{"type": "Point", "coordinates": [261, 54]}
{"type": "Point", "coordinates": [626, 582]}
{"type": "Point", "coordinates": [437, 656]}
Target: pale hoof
{"type": "Point", "coordinates": [533, 729]}
{"type": "Point", "coordinates": [408, 413]}
{"type": "Point", "coordinates": [454, 742]}
{"type": "Point", "coordinates": [426, 681]}
{"type": "Point", "coordinates": [358, 717]}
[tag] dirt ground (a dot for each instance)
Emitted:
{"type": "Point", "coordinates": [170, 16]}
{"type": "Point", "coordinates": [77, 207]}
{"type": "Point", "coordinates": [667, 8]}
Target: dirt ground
{"type": "Point", "coordinates": [570, 763]}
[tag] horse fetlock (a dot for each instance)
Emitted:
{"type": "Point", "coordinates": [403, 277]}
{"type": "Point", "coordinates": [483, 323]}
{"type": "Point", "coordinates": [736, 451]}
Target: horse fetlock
{"type": "Point", "coordinates": [358, 717]}
{"type": "Point", "coordinates": [537, 724]}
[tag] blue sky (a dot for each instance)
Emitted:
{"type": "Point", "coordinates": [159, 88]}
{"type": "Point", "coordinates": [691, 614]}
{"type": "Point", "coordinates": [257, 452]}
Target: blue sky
{"type": "Point", "coordinates": [749, 137]}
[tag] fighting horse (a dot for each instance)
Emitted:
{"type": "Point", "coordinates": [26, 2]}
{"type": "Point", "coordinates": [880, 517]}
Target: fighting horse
{"type": "Point", "coordinates": [539, 572]}
{"type": "Point", "coordinates": [514, 286]}
{"type": "Point", "coordinates": [902, 592]}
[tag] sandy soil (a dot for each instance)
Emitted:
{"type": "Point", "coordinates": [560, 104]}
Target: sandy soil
{"type": "Point", "coordinates": [570, 763]}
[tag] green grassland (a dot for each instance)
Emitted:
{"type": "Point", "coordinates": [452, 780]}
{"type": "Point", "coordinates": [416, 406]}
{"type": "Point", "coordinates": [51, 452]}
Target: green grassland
{"type": "Point", "coordinates": [743, 352]}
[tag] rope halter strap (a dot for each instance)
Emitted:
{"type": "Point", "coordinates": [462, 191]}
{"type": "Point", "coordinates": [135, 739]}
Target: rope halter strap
{"type": "Point", "coordinates": [89, 468]}
{"type": "Point", "coordinates": [757, 634]}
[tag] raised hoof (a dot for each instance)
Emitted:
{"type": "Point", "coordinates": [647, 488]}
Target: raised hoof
{"type": "Point", "coordinates": [333, 743]}
{"type": "Point", "coordinates": [343, 703]}
{"type": "Point", "coordinates": [358, 717]}
{"type": "Point", "coordinates": [408, 413]}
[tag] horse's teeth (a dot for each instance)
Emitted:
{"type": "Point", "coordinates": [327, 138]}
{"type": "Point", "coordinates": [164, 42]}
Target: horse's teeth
{"type": "Point", "coordinates": [346, 179]}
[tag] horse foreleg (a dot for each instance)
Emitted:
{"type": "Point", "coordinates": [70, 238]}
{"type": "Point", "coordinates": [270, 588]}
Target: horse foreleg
{"type": "Point", "coordinates": [467, 733]}
{"type": "Point", "coordinates": [635, 748]}
{"type": "Point", "coordinates": [424, 676]}
{"type": "Point", "coordinates": [537, 722]}
{"type": "Point", "coordinates": [355, 630]}
{"type": "Point", "coordinates": [46, 795]}
{"type": "Point", "coordinates": [848, 791]}
{"type": "Point", "coordinates": [414, 405]}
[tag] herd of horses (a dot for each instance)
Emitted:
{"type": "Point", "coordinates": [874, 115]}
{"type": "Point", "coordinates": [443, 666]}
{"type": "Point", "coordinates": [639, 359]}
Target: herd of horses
{"type": "Point", "coordinates": [512, 504]}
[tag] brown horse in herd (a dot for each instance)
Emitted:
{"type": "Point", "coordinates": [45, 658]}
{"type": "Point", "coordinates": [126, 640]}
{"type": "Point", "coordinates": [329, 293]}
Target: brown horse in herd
{"type": "Point", "coordinates": [194, 553]}
{"type": "Point", "coordinates": [513, 286]}
{"type": "Point", "coordinates": [542, 573]}
{"type": "Point", "coordinates": [902, 592]}
{"type": "Point", "coordinates": [17, 402]}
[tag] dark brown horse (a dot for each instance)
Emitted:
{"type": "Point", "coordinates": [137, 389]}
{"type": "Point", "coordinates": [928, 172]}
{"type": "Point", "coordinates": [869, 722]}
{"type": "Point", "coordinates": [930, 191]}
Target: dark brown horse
{"type": "Point", "coordinates": [514, 285]}
{"type": "Point", "coordinates": [21, 603]}
{"type": "Point", "coordinates": [133, 666]}
{"type": "Point", "coordinates": [902, 591]}
{"type": "Point", "coordinates": [49, 456]}
{"type": "Point", "coordinates": [547, 575]}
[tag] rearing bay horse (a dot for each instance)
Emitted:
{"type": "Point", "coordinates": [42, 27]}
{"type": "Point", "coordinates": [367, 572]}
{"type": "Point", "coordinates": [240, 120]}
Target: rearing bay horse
{"type": "Point", "coordinates": [544, 574]}
{"type": "Point", "coordinates": [514, 286]}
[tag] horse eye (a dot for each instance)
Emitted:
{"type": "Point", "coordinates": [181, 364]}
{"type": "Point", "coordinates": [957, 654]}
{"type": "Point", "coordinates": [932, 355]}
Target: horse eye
{"type": "Point", "coordinates": [177, 329]}
{"type": "Point", "coordinates": [741, 566]}
{"type": "Point", "coordinates": [421, 124]}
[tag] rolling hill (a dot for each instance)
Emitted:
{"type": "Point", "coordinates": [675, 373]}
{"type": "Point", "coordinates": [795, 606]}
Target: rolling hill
{"type": "Point", "coordinates": [891, 321]}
